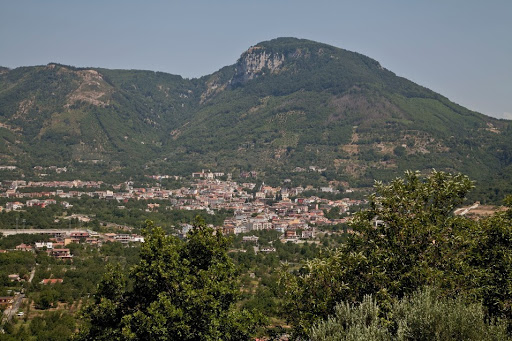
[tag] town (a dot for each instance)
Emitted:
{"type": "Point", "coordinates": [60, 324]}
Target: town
{"type": "Point", "coordinates": [278, 223]}
{"type": "Point", "coordinates": [255, 207]}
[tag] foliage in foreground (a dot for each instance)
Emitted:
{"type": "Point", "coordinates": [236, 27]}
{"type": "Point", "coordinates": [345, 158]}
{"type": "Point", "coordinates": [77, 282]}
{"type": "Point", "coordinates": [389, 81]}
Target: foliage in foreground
{"type": "Point", "coordinates": [408, 238]}
{"type": "Point", "coordinates": [182, 290]}
{"type": "Point", "coordinates": [422, 316]}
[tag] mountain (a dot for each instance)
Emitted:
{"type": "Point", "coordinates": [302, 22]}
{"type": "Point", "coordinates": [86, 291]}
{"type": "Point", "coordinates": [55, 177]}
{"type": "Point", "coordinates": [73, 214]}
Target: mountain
{"type": "Point", "coordinates": [285, 105]}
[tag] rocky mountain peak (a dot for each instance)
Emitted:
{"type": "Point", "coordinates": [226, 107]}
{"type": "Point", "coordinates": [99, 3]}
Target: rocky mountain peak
{"type": "Point", "coordinates": [257, 61]}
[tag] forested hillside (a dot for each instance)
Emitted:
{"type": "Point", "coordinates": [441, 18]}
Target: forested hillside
{"type": "Point", "coordinates": [285, 105]}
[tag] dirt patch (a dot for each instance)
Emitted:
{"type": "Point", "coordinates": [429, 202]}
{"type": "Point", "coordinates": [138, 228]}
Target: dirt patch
{"type": "Point", "coordinates": [283, 117]}
{"type": "Point", "coordinates": [24, 107]}
{"type": "Point", "coordinates": [92, 89]}
{"type": "Point", "coordinates": [350, 148]}
{"type": "Point", "coordinates": [351, 167]}
{"type": "Point", "coordinates": [477, 211]}
{"type": "Point", "coordinates": [8, 127]}
{"type": "Point", "coordinates": [492, 128]}
{"type": "Point", "coordinates": [385, 148]}
{"type": "Point", "coordinates": [213, 87]}
{"type": "Point", "coordinates": [263, 103]}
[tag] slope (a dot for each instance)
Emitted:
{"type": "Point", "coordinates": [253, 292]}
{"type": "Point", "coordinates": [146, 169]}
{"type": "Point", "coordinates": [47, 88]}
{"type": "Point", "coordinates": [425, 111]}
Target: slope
{"type": "Point", "coordinates": [291, 103]}
{"type": "Point", "coordinates": [287, 108]}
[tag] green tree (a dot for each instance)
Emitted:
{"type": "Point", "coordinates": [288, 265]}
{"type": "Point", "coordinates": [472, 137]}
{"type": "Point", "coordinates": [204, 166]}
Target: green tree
{"type": "Point", "coordinates": [492, 255]}
{"type": "Point", "coordinates": [407, 238]}
{"type": "Point", "coordinates": [182, 290]}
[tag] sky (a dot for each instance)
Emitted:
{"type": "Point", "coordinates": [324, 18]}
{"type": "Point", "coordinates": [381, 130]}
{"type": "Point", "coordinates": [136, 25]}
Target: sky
{"type": "Point", "coordinates": [459, 48]}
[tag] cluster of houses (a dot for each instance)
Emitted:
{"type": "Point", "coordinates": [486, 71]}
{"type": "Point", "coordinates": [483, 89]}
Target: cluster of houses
{"type": "Point", "coordinates": [56, 246]}
{"type": "Point", "coordinates": [255, 208]}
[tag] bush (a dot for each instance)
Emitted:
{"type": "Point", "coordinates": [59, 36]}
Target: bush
{"type": "Point", "coordinates": [422, 316]}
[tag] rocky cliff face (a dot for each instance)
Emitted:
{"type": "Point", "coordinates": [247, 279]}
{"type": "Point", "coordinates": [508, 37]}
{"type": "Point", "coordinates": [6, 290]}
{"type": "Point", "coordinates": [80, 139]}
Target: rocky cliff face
{"type": "Point", "coordinates": [255, 62]}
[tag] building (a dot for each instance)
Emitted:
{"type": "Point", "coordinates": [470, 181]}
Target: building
{"type": "Point", "coordinates": [250, 239]}
{"type": "Point", "coordinates": [61, 253]}
{"type": "Point", "coordinates": [123, 238]}
{"type": "Point", "coordinates": [306, 234]}
{"type": "Point", "coordinates": [14, 278]}
{"type": "Point", "coordinates": [290, 234]}
{"type": "Point", "coordinates": [51, 281]}
{"type": "Point", "coordinates": [6, 302]}
{"type": "Point", "coordinates": [23, 247]}
{"type": "Point", "coordinates": [41, 245]}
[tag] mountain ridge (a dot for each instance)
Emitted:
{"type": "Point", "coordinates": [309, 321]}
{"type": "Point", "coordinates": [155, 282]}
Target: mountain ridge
{"type": "Point", "coordinates": [286, 103]}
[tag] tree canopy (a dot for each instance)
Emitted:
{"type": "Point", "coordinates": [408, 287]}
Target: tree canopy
{"type": "Point", "coordinates": [408, 238]}
{"type": "Point", "coordinates": [180, 290]}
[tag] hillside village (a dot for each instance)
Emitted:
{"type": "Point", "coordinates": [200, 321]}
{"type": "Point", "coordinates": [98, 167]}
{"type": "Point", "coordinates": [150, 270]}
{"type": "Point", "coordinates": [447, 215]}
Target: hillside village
{"type": "Point", "coordinates": [254, 208]}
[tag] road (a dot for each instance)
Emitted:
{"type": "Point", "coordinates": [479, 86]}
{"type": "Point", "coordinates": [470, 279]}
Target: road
{"type": "Point", "coordinates": [9, 313]}
{"type": "Point", "coordinates": [32, 275]}
{"type": "Point", "coordinates": [464, 211]}
{"type": "Point", "coordinates": [8, 232]}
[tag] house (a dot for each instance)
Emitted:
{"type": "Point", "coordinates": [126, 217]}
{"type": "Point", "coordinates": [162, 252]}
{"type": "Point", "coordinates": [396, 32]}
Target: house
{"type": "Point", "coordinates": [35, 202]}
{"type": "Point", "coordinates": [308, 234]}
{"type": "Point", "coordinates": [59, 244]}
{"type": "Point", "coordinates": [153, 207]}
{"type": "Point", "coordinates": [41, 245]}
{"type": "Point", "coordinates": [250, 239]}
{"type": "Point", "coordinates": [109, 237]}
{"type": "Point", "coordinates": [185, 228]}
{"type": "Point", "coordinates": [6, 302]}
{"type": "Point", "coordinates": [229, 229]}
{"type": "Point", "coordinates": [123, 238]}
{"type": "Point", "coordinates": [78, 236]}
{"type": "Point", "coordinates": [259, 195]}
{"type": "Point", "coordinates": [290, 234]}
{"type": "Point", "coordinates": [50, 202]}
{"type": "Point", "coordinates": [23, 247]}
{"type": "Point", "coordinates": [137, 239]}
{"type": "Point", "coordinates": [240, 229]}
{"type": "Point", "coordinates": [12, 206]}
{"type": "Point", "coordinates": [14, 278]}
{"type": "Point", "coordinates": [51, 281]}
{"type": "Point", "coordinates": [61, 253]}
{"type": "Point", "coordinates": [66, 204]}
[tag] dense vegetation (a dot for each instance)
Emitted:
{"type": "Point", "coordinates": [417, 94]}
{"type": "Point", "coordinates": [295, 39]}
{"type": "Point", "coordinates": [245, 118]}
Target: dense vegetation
{"type": "Point", "coordinates": [181, 291]}
{"type": "Point", "coordinates": [409, 239]}
{"type": "Point", "coordinates": [54, 308]}
{"type": "Point", "coordinates": [422, 316]}
{"type": "Point", "coordinates": [132, 213]}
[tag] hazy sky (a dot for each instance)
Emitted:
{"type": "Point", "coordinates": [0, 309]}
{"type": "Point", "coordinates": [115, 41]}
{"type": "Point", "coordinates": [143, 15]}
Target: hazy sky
{"type": "Point", "coordinates": [459, 48]}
